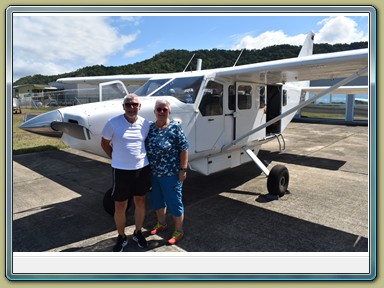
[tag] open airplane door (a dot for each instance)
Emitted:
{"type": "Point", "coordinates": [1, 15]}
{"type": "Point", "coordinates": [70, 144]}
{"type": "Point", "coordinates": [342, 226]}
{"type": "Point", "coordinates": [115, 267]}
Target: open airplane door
{"type": "Point", "coordinates": [274, 107]}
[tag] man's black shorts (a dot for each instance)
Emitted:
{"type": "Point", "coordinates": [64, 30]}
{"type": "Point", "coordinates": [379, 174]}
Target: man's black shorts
{"type": "Point", "coordinates": [128, 183]}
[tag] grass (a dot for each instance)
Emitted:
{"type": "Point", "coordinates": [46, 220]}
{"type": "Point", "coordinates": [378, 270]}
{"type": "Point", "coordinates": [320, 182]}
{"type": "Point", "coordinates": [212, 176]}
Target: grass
{"type": "Point", "coordinates": [27, 142]}
{"type": "Point", "coordinates": [322, 116]}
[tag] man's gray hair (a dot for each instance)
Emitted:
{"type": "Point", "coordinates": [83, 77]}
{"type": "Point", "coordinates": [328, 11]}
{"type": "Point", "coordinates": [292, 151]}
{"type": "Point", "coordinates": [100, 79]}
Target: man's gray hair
{"type": "Point", "coordinates": [131, 96]}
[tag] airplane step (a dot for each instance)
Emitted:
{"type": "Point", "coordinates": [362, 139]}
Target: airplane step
{"type": "Point", "coordinates": [277, 136]}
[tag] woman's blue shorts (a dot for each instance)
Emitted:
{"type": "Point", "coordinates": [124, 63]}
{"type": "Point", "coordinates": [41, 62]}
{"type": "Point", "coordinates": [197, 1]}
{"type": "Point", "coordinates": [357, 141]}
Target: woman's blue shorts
{"type": "Point", "coordinates": [167, 193]}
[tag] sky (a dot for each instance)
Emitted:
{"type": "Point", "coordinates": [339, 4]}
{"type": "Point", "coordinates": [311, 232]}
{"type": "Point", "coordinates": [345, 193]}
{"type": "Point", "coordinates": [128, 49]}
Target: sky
{"type": "Point", "coordinates": [52, 44]}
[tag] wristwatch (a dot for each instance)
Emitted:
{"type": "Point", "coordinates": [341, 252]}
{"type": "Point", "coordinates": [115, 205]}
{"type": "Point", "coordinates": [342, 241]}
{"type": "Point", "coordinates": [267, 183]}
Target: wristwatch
{"type": "Point", "coordinates": [182, 169]}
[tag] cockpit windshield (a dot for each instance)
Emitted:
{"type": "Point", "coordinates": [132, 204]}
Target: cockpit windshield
{"type": "Point", "coordinates": [150, 86]}
{"type": "Point", "coordinates": [184, 88]}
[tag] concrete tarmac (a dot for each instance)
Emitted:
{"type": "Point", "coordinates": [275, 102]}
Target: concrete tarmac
{"type": "Point", "coordinates": [57, 200]}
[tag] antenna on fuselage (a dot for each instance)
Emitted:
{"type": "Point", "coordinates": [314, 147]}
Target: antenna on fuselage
{"type": "Point", "coordinates": [189, 62]}
{"type": "Point", "coordinates": [241, 52]}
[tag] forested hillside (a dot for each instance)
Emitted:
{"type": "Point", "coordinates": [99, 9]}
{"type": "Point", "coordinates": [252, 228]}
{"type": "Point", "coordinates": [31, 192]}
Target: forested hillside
{"type": "Point", "coordinates": [176, 60]}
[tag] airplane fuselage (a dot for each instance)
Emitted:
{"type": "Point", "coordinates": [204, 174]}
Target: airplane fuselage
{"type": "Point", "coordinates": [212, 114]}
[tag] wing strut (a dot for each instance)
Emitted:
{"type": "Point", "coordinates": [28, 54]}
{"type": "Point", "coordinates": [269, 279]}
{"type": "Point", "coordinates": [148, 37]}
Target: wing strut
{"type": "Point", "coordinates": [301, 105]}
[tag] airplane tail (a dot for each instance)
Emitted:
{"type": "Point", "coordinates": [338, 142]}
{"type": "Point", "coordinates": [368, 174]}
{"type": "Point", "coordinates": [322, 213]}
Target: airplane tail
{"type": "Point", "coordinates": [307, 48]}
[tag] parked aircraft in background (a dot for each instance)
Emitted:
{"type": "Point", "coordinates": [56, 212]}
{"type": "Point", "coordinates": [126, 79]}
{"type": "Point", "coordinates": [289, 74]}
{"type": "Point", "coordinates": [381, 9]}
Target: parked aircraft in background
{"type": "Point", "coordinates": [226, 113]}
{"type": "Point", "coordinates": [16, 106]}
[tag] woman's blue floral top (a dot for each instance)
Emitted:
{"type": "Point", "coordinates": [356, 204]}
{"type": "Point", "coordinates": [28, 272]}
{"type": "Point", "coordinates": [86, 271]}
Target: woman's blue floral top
{"type": "Point", "coordinates": [164, 147]}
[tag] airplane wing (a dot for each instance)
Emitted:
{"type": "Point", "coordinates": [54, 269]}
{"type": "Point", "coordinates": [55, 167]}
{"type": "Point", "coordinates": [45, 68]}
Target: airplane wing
{"type": "Point", "coordinates": [137, 79]}
{"type": "Point", "coordinates": [313, 67]}
{"type": "Point", "coordinates": [347, 65]}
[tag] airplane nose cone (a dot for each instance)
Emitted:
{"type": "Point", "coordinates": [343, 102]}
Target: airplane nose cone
{"type": "Point", "coordinates": [41, 124]}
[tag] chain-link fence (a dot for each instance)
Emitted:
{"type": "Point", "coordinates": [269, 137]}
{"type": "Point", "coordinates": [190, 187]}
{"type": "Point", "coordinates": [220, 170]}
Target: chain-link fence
{"type": "Point", "coordinates": [69, 97]}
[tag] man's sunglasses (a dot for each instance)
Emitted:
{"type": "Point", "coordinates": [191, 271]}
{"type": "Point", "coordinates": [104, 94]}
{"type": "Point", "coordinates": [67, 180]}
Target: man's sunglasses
{"type": "Point", "coordinates": [134, 105]}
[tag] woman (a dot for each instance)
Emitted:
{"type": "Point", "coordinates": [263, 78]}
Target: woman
{"type": "Point", "coordinates": [167, 151]}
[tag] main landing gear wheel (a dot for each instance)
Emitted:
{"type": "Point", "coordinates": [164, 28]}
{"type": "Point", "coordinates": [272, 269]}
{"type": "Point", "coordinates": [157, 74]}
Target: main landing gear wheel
{"type": "Point", "coordinates": [109, 204]}
{"type": "Point", "coordinates": [278, 180]}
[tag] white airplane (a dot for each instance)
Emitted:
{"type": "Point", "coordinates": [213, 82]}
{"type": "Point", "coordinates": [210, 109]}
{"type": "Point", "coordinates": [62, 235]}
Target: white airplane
{"type": "Point", "coordinates": [226, 113]}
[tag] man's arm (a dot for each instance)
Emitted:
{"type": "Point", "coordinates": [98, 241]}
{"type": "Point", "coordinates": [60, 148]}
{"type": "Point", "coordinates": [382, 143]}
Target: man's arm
{"type": "Point", "coordinates": [105, 144]}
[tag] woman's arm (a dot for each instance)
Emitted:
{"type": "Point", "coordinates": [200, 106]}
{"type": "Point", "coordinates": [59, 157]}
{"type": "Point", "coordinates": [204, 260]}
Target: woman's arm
{"type": "Point", "coordinates": [183, 165]}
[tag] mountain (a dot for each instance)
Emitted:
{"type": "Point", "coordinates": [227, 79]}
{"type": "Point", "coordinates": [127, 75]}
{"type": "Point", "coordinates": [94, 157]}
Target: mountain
{"type": "Point", "coordinates": [176, 60]}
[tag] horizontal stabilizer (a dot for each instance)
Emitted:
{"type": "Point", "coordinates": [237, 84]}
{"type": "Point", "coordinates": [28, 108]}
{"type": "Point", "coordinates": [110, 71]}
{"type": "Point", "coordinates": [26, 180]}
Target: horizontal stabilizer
{"type": "Point", "coordinates": [340, 90]}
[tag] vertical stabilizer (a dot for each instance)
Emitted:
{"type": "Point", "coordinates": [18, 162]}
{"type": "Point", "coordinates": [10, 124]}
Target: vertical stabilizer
{"type": "Point", "coordinates": [307, 48]}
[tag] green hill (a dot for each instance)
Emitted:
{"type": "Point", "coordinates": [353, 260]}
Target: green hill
{"type": "Point", "coordinates": [175, 61]}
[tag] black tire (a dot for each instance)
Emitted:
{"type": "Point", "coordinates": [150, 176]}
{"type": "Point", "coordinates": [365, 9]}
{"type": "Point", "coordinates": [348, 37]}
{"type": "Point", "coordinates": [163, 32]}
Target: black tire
{"type": "Point", "coordinates": [278, 180]}
{"type": "Point", "coordinates": [109, 203]}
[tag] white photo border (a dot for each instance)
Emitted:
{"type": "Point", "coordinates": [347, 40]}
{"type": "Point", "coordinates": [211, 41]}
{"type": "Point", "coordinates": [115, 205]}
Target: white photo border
{"type": "Point", "coordinates": [46, 259]}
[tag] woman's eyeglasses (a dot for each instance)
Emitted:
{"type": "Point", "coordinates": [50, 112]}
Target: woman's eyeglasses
{"type": "Point", "coordinates": [164, 110]}
{"type": "Point", "coordinates": [134, 105]}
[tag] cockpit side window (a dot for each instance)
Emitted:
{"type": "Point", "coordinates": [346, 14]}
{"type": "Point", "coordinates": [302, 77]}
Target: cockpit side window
{"type": "Point", "coordinates": [212, 101]}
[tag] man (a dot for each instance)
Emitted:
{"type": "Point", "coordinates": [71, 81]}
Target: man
{"type": "Point", "coordinates": [123, 140]}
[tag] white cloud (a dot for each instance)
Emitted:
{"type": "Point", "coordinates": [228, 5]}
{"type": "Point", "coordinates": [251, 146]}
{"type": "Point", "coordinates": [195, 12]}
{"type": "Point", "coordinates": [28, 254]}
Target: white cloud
{"type": "Point", "coordinates": [269, 38]}
{"type": "Point", "coordinates": [132, 20]}
{"type": "Point", "coordinates": [339, 29]}
{"type": "Point", "coordinates": [133, 53]}
{"type": "Point", "coordinates": [51, 45]}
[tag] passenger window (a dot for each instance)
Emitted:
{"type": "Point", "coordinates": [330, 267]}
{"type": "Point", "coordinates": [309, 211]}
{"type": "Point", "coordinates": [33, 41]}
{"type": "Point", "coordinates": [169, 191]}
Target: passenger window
{"type": "Point", "coordinates": [212, 102]}
{"type": "Point", "coordinates": [244, 97]}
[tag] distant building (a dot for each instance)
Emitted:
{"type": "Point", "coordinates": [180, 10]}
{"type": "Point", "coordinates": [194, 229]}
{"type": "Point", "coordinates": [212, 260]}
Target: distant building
{"type": "Point", "coordinates": [34, 95]}
{"type": "Point", "coordinates": [31, 90]}
{"type": "Point", "coordinates": [347, 108]}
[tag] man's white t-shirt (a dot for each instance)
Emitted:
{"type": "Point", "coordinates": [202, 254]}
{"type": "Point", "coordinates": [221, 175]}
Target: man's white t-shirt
{"type": "Point", "coordinates": [127, 140]}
